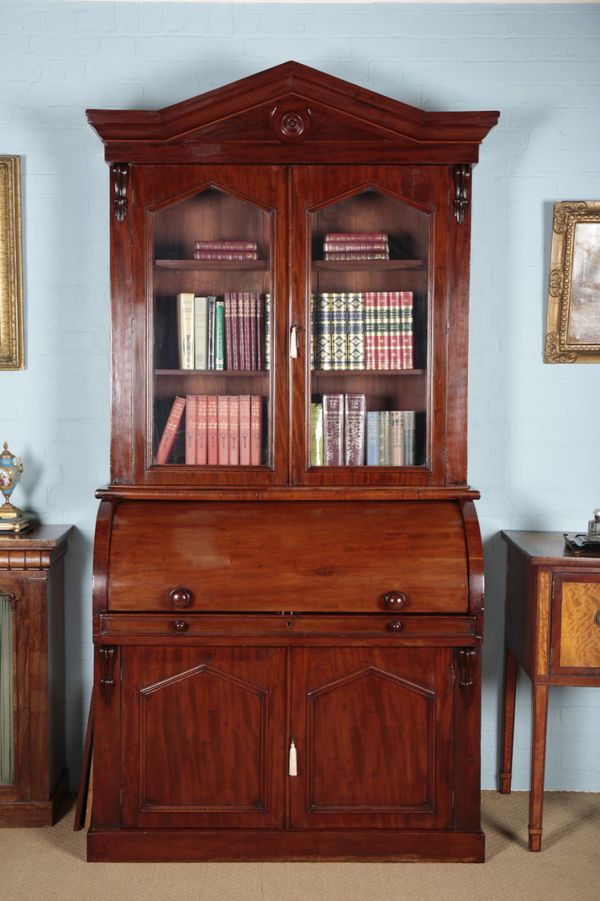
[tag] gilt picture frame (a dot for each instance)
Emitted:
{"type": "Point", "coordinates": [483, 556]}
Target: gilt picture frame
{"type": "Point", "coordinates": [573, 316]}
{"type": "Point", "coordinates": [12, 341]}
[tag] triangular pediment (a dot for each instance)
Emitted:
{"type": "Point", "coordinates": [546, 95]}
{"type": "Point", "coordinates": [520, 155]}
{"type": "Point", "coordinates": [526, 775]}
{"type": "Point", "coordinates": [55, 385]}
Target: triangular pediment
{"type": "Point", "coordinates": [289, 106]}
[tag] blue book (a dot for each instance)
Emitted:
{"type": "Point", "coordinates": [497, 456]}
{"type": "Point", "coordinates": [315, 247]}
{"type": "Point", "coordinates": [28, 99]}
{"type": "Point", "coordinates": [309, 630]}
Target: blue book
{"type": "Point", "coordinates": [373, 439]}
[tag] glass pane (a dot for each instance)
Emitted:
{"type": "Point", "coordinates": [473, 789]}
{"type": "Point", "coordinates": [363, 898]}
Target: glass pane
{"type": "Point", "coordinates": [369, 316]}
{"type": "Point", "coordinates": [7, 749]}
{"type": "Point", "coordinates": [212, 336]}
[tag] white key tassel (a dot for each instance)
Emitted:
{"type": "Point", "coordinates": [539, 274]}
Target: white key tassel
{"type": "Point", "coordinates": [293, 766]}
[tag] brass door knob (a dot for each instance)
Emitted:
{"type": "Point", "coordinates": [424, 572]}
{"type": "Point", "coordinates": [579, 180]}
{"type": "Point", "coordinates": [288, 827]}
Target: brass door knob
{"type": "Point", "coordinates": [181, 597]}
{"type": "Point", "coordinates": [395, 600]}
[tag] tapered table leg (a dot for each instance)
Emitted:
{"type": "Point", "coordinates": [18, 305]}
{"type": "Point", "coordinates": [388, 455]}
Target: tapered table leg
{"type": "Point", "coordinates": [539, 720]}
{"type": "Point", "coordinates": [508, 731]}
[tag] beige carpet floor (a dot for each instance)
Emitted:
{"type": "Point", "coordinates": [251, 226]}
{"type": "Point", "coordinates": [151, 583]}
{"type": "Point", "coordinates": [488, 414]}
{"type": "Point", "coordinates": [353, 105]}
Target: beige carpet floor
{"type": "Point", "coordinates": [49, 865]}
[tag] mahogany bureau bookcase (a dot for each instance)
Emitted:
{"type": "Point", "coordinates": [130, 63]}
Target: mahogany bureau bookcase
{"type": "Point", "coordinates": [288, 568]}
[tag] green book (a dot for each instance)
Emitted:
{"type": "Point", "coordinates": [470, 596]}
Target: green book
{"type": "Point", "coordinates": [220, 334]}
{"type": "Point", "coordinates": [316, 434]}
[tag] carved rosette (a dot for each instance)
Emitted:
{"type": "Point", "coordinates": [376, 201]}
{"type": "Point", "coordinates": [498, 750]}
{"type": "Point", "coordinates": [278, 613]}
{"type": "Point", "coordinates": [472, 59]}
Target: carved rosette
{"type": "Point", "coordinates": [553, 352]}
{"type": "Point", "coordinates": [555, 284]}
{"type": "Point", "coordinates": [291, 125]}
{"type": "Point", "coordinates": [462, 191]}
{"type": "Point", "coordinates": [120, 171]}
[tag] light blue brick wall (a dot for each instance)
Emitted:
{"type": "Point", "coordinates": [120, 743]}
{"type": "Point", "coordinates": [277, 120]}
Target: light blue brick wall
{"type": "Point", "coordinates": [534, 428]}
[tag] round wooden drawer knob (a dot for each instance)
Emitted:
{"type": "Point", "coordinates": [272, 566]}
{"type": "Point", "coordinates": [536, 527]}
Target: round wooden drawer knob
{"type": "Point", "coordinates": [181, 597]}
{"type": "Point", "coordinates": [394, 626]}
{"type": "Point", "coordinates": [395, 600]}
{"type": "Point", "coordinates": [180, 626]}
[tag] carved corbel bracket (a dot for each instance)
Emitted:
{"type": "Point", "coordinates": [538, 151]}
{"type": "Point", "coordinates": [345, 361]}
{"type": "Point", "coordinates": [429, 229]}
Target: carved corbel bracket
{"type": "Point", "coordinates": [466, 659]}
{"type": "Point", "coordinates": [11, 598]}
{"type": "Point", "coordinates": [108, 656]}
{"type": "Point", "coordinates": [119, 172]}
{"type": "Point", "coordinates": [462, 191]}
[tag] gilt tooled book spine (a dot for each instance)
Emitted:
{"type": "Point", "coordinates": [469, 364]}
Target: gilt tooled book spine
{"type": "Point", "coordinates": [212, 427]}
{"type": "Point", "coordinates": [169, 434]}
{"type": "Point", "coordinates": [201, 430]}
{"type": "Point", "coordinates": [255, 430]}
{"type": "Point", "coordinates": [234, 430]}
{"type": "Point", "coordinates": [355, 330]}
{"type": "Point", "coordinates": [244, 430]}
{"type": "Point", "coordinates": [185, 330]}
{"type": "Point", "coordinates": [373, 438]}
{"type": "Point", "coordinates": [200, 332]}
{"type": "Point", "coordinates": [339, 331]}
{"type": "Point", "coordinates": [191, 415]}
{"type": "Point", "coordinates": [316, 434]}
{"type": "Point", "coordinates": [333, 429]}
{"type": "Point", "coordinates": [354, 429]}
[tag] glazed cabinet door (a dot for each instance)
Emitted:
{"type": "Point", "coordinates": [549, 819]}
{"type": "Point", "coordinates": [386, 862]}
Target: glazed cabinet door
{"type": "Point", "coordinates": [202, 737]}
{"type": "Point", "coordinates": [372, 730]}
{"type": "Point", "coordinates": [200, 308]}
{"type": "Point", "coordinates": [368, 331]}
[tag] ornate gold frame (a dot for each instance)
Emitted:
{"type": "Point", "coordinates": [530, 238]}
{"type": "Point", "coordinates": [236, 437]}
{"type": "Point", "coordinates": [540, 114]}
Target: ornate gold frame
{"type": "Point", "coordinates": [12, 354]}
{"type": "Point", "coordinates": [568, 308]}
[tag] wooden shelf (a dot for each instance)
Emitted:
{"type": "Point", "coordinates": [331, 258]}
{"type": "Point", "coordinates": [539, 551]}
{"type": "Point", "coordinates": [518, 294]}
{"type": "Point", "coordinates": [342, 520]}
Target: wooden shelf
{"type": "Point", "coordinates": [219, 373]}
{"type": "Point", "coordinates": [219, 265]}
{"type": "Point", "coordinates": [368, 372]}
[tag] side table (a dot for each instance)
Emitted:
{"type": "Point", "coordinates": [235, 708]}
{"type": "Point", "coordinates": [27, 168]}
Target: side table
{"type": "Point", "coordinates": [33, 778]}
{"type": "Point", "coordinates": [553, 632]}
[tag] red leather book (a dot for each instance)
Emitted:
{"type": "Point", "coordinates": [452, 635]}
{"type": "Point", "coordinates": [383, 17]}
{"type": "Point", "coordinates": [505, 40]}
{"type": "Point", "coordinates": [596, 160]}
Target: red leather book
{"type": "Point", "coordinates": [360, 237]}
{"type": "Point", "coordinates": [212, 430]}
{"type": "Point", "coordinates": [260, 332]}
{"type": "Point", "coordinates": [225, 245]}
{"type": "Point", "coordinates": [190, 429]}
{"type": "Point", "coordinates": [225, 255]}
{"type": "Point", "coordinates": [383, 330]}
{"type": "Point", "coordinates": [246, 362]}
{"type": "Point", "coordinates": [244, 430]}
{"type": "Point", "coordinates": [354, 429]}
{"type": "Point", "coordinates": [252, 322]}
{"type": "Point", "coordinates": [169, 434]}
{"type": "Point", "coordinates": [234, 430]}
{"type": "Point", "coordinates": [201, 430]}
{"type": "Point", "coordinates": [223, 429]}
{"type": "Point", "coordinates": [228, 331]}
{"type": "Point", "coordinates": [255, 430]}
{"type": "Point", "coordinates": [333, 429]}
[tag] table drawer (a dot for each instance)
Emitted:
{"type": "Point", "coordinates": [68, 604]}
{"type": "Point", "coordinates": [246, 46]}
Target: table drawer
{"type": "Point", "coordinates": [576, 624]}
{"type": "Point", "coordinates": [276, 556]}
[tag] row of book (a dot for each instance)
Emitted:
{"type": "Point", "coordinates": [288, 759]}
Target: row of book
{"type": "Point", "coordinates": [356, 246]}
{"type": "Point", "coordinates": [225, 250]}
{"type": "Point", "coordinates": [363, 330]}
{"type": "Point", "coordinates": [343, 433]}
{"type": "Point", "coordinates": [230, 331]}
{"type": "Point", "coordinates": [223, 430]}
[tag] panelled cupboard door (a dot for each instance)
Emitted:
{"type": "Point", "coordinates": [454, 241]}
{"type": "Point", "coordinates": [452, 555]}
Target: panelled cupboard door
{"type": "Point", "coordinates": [202, 737]}
{"type": "Point", "coordinates": [373, 735]}
{"type": "Point", "coordinates": [369, 378]}
{"type": "Point", "coordinates": [209, 326]}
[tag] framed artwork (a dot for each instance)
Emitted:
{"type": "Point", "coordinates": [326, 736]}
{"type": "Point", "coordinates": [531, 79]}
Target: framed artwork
{"type": "Point", "coordinates": [11, 266]}
{"type": "Point", "coordinates": [573, 320]}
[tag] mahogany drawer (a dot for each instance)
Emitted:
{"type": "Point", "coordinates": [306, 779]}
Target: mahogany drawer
{"type": "Point", "coordinates": [425, 629]}
{"type": "Point", "coordinates": [335, 556]}
{"type": "Point", "coordinates": [575, 630]}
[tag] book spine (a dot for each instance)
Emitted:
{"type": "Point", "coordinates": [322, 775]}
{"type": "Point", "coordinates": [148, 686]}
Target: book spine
{"type": "Point", "coordinates": [185, 330]}
{"type": "Point", "coordinates": [165, 445]}
{"type": "Point", "coordinates": [253, 319]}
{"type": "Point", "coordinates": [222, 430]}
{"type": "Point", "coordinates": [409, 437]}
{"type": "Point", "coordinates": [211, 331]}
{"type": "Point", "coordinates": [245, 430]}
{"type": "Point", "coordinates": [371, 335]}
{"type": "Point", "coordinates": [212, 430]}
{"type": "Point", "coordinates": [362, 255]}
{"type": "Point", "coordinates": [354, 429]}
{"type": "Point", "coordinates": [363, 237]}
{"type": "Point", "coordinates": [267, 331]}
{"type": "Point", "coordinates": [234, 304]}
{"type": "Point", "coordinates": [246, 330]}
{"type": "Point", "coordinates": [333, 429]}
{"type": "Point", "coordinates": [373, 438]}
{"type": "Point", "coordinates": [191, 415]}
{"type": "Point", "coordinates": [322, 331]}
{"type": "Point", "coordinates": [406, 336]}
{"type": "Point", "coordinates": [396, 438]}
{"type": "Point", "coordinates": [216, 255]}
{"type": "Point", "coordinates": [200, 333]}
{"type": "Point", "coordinates": [234, 430]}
{"type": "Point", "coordinates": [355, 323]}
{"type": "Point", "coordinates": [383, 330]}
{"type": "Point", "coordinates": [260, 332]}
{"type": "Point", "coordinates": [219, 334]}
{"type": "Point", "coordinates": [384, 438]}
{"type": "Point", "coordinates": [356, 246]}
{"type": "Point", "coordinates": [339, 332]}
{"type": "Point", "coordinates": [228, 331]}
{"type": "Point", "coordinates": [201, 430]}
{"type": "Point", "coordinates": [255, 430]}
{"type": "Point", "coordinates": [316, 434]}
{"type": "Point", "coordinates": [225, 245]}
